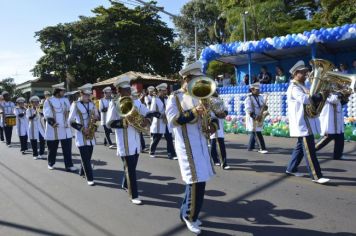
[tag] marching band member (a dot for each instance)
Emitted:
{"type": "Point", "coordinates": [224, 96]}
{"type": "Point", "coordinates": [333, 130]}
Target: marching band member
{"type": "Point", "coordinates": [2, 139]}
{"type": "Point", "coordinates": [56, 111]}
{"type": "Point", "coordinates": [82, 117]}
{"type": "Point", "coordinates": [159, 125]}
{"type": "Point", "coordinates": [301, 126]}
{"type": "Point", "coordinates": [103, 108]}
{"type": "Point", "coordinates": [218, 141]}
{"type": "Point", "coordinates": [332, 124]}
{"type": "Point", "coordinates": [149, 96]}
{"type": "Point", "coordinates": [36, 127]}
{"type": "Point", "coordinates": [253, 104]}
{"type": "Point", "coordinates": [183, 114]}
{"type": "Point", "coordinates": [127, 137]}
{"type": "Point", "coordinates": [21, 123]}
{"type": "Point", "coordinates": [7, 114]}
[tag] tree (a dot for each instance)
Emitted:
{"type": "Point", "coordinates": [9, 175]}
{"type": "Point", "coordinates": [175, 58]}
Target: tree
{"type": "Point", "coordinates": [116, 40]}
{"type": "Point", "coordinates": [8, 84]}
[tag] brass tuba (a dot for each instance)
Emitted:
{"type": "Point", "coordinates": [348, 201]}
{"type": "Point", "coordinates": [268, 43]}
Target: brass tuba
{"type": "Point", "coordinates": [128, 111]}
{"type": "Point", "coordinates": [203, 88]}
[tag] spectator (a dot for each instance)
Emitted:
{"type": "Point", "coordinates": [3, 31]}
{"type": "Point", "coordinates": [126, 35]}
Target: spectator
{"type": "Point", "coordinates": [264, 77]}
{"type": "Point", "coordinates": [280, 76]}
{"type": "Point", "coordinates": [343, 68]}
{"type": "Point", "coordinates": [353, 70]}
{"type": "Point", "coordinates": [247, 79]}
{"type": "Point", "coordinates": [226, 80]}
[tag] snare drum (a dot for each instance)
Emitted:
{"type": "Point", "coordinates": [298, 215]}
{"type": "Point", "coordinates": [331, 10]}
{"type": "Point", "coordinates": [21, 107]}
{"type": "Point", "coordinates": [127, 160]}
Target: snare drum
{"type": "Point", "coordinates": [10, 120]}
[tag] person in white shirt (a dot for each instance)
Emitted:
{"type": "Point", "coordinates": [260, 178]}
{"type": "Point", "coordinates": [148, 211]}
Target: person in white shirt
{"type": "Point", "coordinates": [56, 111]}
{"type": "Point", "coordinates": [8, 119]}
{"type": "Point", "coordinates": [2, 137]}
{"type": "Point", "coordinates": [332, 124]}
{"type": "Point", "coordinates": [253, 105]}
{"type": "Point", "coordinates": [82, 117]}
{"type": "Point", "coordinates": [103, 108]}
{"type": "Point", "coordinates": [191, 144]}
{"type": "Point", "coordinates": [218, 148]}
{"type": "Point", "coordinates": [149, 96]}
{"type": "Point", "coordinates": [35, 128]}
{"type": "Point", "coordinates": [128, 136]}
{"type": "Point", "coordinates": [302, 126]}
{"type": "Point", "coordinates": [21, 123]}
{"type": "Point", "coordinates": [159, 125]}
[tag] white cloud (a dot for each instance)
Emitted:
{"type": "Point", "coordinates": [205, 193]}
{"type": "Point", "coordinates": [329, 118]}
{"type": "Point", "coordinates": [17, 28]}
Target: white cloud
{"type": "Point", "coordinates": [18, 64]}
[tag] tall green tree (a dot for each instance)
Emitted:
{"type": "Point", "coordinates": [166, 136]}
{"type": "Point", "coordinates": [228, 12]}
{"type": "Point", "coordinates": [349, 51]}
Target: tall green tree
{"type": "Point", "coordinates": [7, 84]}
{"type": "Point", "coordinates": [116, 40]}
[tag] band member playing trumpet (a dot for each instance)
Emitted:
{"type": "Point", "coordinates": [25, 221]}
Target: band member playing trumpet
{"type": "Point", "coordinates": [36, 127]}
{"type": "Point", "coordinates": [8, 118]}
{"type": "Point", "coordinates": [82, 117]}
{"type": "Point", "coordinates": [159, 125]}
{"type": "Point", "coordinates": [332, 124]}
{"type": "Point", "coordinates": [103, 108]}
{"type": "Point", "coordinates": [218, 148]}
{"type": "Point", "coordinates": [128, 117]}
{"type": "Point", "coordinates": [21, 123]}
{"type": "Point", "coordinates": [185, 113]}
{"type": "Point", "coordinates": [56, 111]}
{"type": "Point", "coordinates": [254, 103]}
{"type": "Point", "coordinates": [302, 126]}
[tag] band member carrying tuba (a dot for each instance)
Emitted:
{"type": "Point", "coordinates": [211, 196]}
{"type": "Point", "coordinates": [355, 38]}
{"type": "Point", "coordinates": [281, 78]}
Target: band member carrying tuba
{"type": "Point", "coordinates": [8, 119]}
{"type": "Point", "coordinates": [36, 127]}
{"type": "Point", "coordinates": [186, 114]}
{"type": "Point", "coordinates": [301, 125]}
{"type": "Point", "coordinates": [256, 109]}
{"type": "Point", "coordinates": [128, 117]}
{"type": "Point", "coordinates": [82, 117]}
{"type": "Point", "coordinates": [21, 123]}
{"type": "Point", "coordinates": [56, 110]}
{"type": "Point", "coordinates": [103, 108]}
{"type": "Point", "coordinates": [159, 125]}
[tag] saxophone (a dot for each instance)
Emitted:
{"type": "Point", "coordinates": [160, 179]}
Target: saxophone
{"type": "Point", "coordinates": [263, 114]}
{"type": "Point", "coordinates": [92, 126]}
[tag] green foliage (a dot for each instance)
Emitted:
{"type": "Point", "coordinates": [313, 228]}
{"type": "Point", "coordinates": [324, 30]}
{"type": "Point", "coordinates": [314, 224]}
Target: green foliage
{"type": "Point", "coordinates": [116, 40]}
{"type": "Point", "coordinates": [216, 68]}
{"type": "Point", "coordinates": [8, 85]}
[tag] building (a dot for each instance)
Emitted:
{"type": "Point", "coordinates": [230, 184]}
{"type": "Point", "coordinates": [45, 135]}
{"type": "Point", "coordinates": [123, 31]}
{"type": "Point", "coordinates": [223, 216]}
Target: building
{"type": "Point", "coordinates": [36, 87]}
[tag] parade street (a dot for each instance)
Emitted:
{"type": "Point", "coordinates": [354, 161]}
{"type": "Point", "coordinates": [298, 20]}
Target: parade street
{"type": "Point", "coordinates": [254, 197]}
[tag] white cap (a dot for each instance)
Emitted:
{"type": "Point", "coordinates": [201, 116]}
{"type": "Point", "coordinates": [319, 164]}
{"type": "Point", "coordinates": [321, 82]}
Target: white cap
{"type": "Point", "coordinates": [46, 93]}
{"type": "Point", "coordinates": [4, 92]}
{"type": "Point", "coordinates": [151, 88]}
{"type": "Point", "coordinates": [255, 85]}
{"type": "Point", "coordinates": [21, 99]}
{"type": "Point", "coordinates": [192, 69]}
{"type": "Point", "coordinates": [123, 82]}
{"type": "Point", "coordinates": [162, 86]}
{"type": "Point", "coordinates": [87, 86]}
{"type": "Point", "coordinates": [107, 89]}
{"type": "Point", "coordinates": [86, 91]}
{"type": "Point", "coordinates": [34, 99]}
{"type": "Point", "coordinates": [299, 66]}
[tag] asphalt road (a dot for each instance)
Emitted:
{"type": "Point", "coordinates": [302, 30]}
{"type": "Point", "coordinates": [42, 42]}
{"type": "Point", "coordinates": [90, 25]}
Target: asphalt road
{"type": "Point", "coordinates": [255, 197]}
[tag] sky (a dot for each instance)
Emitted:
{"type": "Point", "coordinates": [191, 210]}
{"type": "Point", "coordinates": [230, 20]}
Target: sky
{"type": "Point", "coordinates": [20, 19]}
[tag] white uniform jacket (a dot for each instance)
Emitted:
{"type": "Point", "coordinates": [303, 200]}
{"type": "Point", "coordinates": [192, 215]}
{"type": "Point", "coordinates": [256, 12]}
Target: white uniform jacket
{"type": "Point", "coordinates": [148, 101]}
{"type": "Point", "coordinates": [191, 145]}
{"type": "Point", "coordinates": [253, 104]}
{"type": "Point", "coordinates": [21, 122]}
{"type": "Point", "coordinates": [159, 125]}
{"type": "Point", "coordinates": [58, 109]}
{"type": "Point", "coordinates": [220, 132]}
{"type": "Point", "coordinates": [8, 110]}
{"type": "Point", "coordinates": [35, 125]}
{"type": "Point", "coordinates": [81, 113]}
{"type": "Point", "coordinates": [127, 138]}
{"type": "Point", "coordinates": [103, 104]}
{"type": "Point", "coordinates": [331, 117]}
{"type": "Point", "coordinates": [300, 125]}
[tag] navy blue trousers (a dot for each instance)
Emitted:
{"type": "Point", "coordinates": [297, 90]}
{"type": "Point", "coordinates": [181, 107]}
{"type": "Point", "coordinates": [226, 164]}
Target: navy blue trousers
{"type": "Point", "coordinates": [8, 134]}
{"type": "Point", "coordinates": [143, 143]}
{"type": "Point", "coordinates": [256, 136]}
{"type": "Point", "coordinates": [305, 148]}
{"type": "Point", "coordinates": [129, 180]}
{"type": "Point", "coordinates": [193, 201]}
{"type": "Point", "coordinates": [66, 149]}
{"type": "Point", "coordinates": [170, 147]}
{"type": "Point", "coordinates": [35, 146]}
{"type": "Point", "coordinates": [107, 138]}
{"type": "Point", "coordinates": [23, 142]}
{"type": "Point", "coordinates": [218, 149]}
{"type": "Point", "coordinates": [338, 144]}
{"type": "Point", "coordinates": [2, 133]}
{"type": "Point", "coordinates": [86, 153]}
